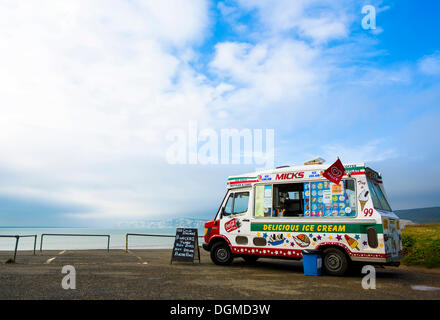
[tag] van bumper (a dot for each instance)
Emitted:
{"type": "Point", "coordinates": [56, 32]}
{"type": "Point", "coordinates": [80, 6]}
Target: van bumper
{"type": "Point", "coordinates": [394, 261]}
{"type": "Point", "coordinates": [388, 261]}
{"type": "Point", "coordinates": [205, 246]}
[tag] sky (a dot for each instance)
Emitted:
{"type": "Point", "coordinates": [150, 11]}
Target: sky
{"type": "Point", "coordinates": [93, 92]}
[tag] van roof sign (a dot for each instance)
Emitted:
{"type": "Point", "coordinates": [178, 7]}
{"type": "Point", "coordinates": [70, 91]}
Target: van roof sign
{"type": "Point", "coordinates": [306, 172]}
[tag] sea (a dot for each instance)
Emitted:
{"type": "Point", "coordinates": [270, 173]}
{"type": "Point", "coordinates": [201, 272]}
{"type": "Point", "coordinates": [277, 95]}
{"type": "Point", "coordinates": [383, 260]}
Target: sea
{"type": "Point", "coordinates": [117, 238]}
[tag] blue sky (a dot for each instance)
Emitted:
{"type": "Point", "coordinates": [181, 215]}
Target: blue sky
{"type": "Point", "coordinates": [91, 91]}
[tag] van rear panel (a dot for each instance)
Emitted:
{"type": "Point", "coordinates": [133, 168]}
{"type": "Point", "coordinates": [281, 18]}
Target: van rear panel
{"type": "Point", "coordinates": [392, 237]}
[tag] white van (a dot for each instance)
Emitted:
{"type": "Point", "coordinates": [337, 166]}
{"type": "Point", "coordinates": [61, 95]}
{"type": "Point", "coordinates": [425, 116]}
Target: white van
{"type": "Point", "coordinates": [279, 213]}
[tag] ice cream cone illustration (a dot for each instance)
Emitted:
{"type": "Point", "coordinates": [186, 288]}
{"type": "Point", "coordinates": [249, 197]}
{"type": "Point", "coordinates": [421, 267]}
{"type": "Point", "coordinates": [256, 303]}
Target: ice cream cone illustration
{"type": "Point", "coordinates": [351, 242]}
{"type": "Point", "coordinates": [363, 198]}
{"type": "Point", "coordinates": [362, 204]}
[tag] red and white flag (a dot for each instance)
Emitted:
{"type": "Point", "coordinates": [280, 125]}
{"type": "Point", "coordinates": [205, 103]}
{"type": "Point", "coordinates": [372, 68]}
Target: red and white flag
{"type": "Point", "coordinates": [335, 172]}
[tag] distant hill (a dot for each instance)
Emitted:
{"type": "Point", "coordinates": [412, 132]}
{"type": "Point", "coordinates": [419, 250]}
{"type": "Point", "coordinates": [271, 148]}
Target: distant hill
{"type": "Point", "coordinates": [165, 223]}
{"type": "Point", "coordinates": [420, 215]}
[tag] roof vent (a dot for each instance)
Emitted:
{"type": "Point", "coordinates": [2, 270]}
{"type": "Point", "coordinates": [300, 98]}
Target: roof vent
{"type": "Point", "coordinates": [314, 161]}
{"type": "Point", "coordinates": [282, 167]}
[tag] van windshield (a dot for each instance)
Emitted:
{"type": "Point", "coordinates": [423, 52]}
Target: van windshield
{"type": "Point", "coordinates": [378, 195]}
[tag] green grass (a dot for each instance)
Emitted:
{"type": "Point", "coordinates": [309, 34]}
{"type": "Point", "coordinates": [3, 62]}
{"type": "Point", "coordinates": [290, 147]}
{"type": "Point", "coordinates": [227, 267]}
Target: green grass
{"type": "Point", "coordinates": [421, 245]}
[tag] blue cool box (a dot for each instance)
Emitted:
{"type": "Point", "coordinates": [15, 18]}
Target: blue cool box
{"type": "Point", "coordinates": [312, 263]}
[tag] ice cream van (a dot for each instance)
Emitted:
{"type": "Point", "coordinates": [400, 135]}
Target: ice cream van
{"type": "Point", "coordinates": [279, 213]}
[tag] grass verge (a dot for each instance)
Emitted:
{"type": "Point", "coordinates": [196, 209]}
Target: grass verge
{"type": "Point", "coordinates": [421, 245]}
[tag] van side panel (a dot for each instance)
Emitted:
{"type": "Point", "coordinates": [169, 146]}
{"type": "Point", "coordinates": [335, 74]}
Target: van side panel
{"type": "Point", "coordinates": [368, 236]}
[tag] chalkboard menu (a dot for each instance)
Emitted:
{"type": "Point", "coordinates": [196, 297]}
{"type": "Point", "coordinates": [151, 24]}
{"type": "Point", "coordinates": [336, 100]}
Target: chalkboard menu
{"type": "Point", "coordinates": [186, 244]}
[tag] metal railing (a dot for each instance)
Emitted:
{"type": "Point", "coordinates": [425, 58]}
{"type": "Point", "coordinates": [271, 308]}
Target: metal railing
{"type": "Point", "coordinates": [148, 235]}
{"type": "Point", "coordinates": [17, 238]}
{"type": "Point", "coordinates": [74, 235]}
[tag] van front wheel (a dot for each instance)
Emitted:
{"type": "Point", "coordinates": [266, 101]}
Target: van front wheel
{"type": "Point", "coordinates": [335, 262]}
{"type": "Point", "coordinates": [221, 254]}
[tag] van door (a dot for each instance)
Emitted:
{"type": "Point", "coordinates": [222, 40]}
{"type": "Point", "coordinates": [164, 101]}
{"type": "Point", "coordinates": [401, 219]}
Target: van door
{"type": "Point", "coordinates": [235, 221]}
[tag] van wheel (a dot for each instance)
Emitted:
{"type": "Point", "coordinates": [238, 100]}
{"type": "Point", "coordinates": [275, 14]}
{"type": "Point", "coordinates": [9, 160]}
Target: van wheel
{"type": "Point", "coordinates": [250, 259]}
{"type": "Point", "coordinates": [335, 262]}
{"type": "Point", "coordinates": [221, 254]}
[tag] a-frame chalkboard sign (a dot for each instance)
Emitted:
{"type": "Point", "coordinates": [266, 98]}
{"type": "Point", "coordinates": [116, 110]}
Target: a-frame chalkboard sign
{"type": "Point", "coordinates": [186, 244]}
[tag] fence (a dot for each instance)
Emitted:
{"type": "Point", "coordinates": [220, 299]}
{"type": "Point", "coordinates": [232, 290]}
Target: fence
{"type": "Point", "coordinates": [74, 235]}
{"type": "Point", "coordinates": [17, 238]}
{"type": "Point", "coordinates": [147, 235]}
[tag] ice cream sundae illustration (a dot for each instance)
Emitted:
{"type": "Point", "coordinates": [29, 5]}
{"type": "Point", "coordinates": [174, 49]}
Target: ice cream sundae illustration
{"type": "Point", "coordinates": [363, 198]}
{"type": "Point", "coordinates": [276, 239]}
{"type": "Point", "coordinates": [302, 240]}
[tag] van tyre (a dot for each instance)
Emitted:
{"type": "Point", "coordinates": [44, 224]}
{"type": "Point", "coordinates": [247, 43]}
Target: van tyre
{"type": "Point", "coordinates": [221, 254]}
{"type": "Point", "coordinates": [335, 262]}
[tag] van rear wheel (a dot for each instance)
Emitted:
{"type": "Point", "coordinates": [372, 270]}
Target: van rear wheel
{"type": "Point", "coordinates": [221, 254]}
{"type": "Point", "coordinates": [335, 262]}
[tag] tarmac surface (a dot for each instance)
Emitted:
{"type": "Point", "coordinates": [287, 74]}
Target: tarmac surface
{"type": "Point", "coordinates": [148, 274]}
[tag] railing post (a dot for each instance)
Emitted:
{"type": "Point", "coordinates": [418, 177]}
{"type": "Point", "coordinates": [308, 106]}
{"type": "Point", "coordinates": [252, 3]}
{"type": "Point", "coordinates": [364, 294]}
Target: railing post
{"type": "Point", "coordinates": [41, 243]}
{"type": "Point", "coordinates": [108, 244]}
{"type": "Point", "coordinates": [35, 243]}
{"type": "Point", "coordinates": [16, 246]}
{"type": "Point", "coordinates": [126, 242]}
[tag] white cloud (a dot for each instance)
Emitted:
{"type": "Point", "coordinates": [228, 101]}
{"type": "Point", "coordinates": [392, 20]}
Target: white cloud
{"type": "Point", "coordinates": [93, 85]}
{"type": "Point", "coordinates": [430, 64]}
{"type": "Point", "coordinates": [373, 76]}
{"type": "Point", "coordinates": [324, 28]}
{"type": "Point", "coordinates": [319, 20]}
{"type": "Point", "coordinates": [270, 75]}
{"type": "Point", "coordinates": [370, 151]}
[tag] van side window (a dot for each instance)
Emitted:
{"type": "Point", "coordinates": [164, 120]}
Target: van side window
{"type": "Point", "coordinates": [237, 203]}
{"type": "Point", "coordinates": [263, 201]}
{"type": "Point", "coordinates": [327, 199]}
{"type": "Point", "coordinates": [308, 199]}
{"type": "Point", "coordinates": [288, 200]}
